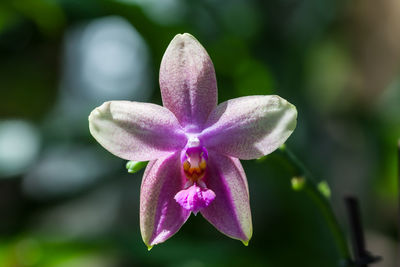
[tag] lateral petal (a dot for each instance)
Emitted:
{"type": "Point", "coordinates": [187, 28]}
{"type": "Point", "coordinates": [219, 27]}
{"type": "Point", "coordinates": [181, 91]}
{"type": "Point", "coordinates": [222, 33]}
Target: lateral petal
{"type": "Point", "coordinates": [187, 81]}
{"type": "Point", "coordinates": [136, 131]}
{"type": "Point", "coordinates": [230, 210]}
{"type": "Point", "coordinates": [249, 127]}
{"type": "Point", "coordinates": [160, 215]}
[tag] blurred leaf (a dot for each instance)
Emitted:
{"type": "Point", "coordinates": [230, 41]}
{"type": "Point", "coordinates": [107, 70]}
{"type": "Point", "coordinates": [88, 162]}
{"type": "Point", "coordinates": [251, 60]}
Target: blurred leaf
{"type": "Point", "coordinates": [329, 70]}
{"type": "Point", "coordinates": [247, 18]}
{"type": "Point", "coordinates": [48, 16]}
{"type": "Point", "coordinates": [29, 251]}
{"type": "Point", "coordinates": [227, 53]}
{"type": "Point", "coordinates": [253, 78]}
{"type": "Point", "coordinates": [7, 17]}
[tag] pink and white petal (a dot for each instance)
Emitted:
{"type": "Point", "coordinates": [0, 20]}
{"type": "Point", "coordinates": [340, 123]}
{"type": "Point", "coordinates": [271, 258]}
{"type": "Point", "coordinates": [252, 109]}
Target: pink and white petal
{"type": "Point", "coordinates": [187, 81]}
{"type": "Point", "coordinates": [249, 127]}
{"type": "Point", "coordinates": [136, 131]}
{"type": "Point", "coordinates": [230, 210]}
{"type": "Point", "coordinates": [160, 215]}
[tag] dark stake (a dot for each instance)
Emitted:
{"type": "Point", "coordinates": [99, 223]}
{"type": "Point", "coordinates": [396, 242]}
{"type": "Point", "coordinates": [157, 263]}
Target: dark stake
{"type": "Point", "coordinates": [398, 181]}
{"type": "Point", "coordinates": [361, 256]}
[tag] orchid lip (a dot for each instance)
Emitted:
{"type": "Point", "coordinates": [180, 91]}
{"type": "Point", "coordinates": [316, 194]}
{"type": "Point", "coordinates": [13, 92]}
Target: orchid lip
{"type": "Point", "coordinates": [195, 198]}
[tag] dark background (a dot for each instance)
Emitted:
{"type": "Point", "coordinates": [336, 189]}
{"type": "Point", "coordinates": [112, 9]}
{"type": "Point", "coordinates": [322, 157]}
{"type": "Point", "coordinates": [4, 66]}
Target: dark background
{"type": "Point", "coordinates": [65, 201]}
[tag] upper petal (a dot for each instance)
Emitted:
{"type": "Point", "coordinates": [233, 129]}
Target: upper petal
{"type": "Point", "coordinates": [136, 131]}
{"type": "Point", "coordinates": [249, 127]}
{"type": "Point", "coordinates": [187, 81]}
{"type": "Point", "coordinates": [230, 210]}
{"type": "Point", "coordinates": [160, 215]}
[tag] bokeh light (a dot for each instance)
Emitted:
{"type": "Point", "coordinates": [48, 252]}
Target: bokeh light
{"type": "Point", "coordinates": [19, 146]}
{"type": "Point", "coordinates": [65, 170]}
{"type": "Point", "coordinates": [107, 59]}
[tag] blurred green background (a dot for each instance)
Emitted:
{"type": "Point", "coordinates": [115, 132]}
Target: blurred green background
{"type": "Point", "coordinates": [65, 201]}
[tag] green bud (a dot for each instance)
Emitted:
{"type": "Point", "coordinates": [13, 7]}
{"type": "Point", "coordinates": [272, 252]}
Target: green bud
{"type": "Point", "coordinates": [324, 188]}
{"type": "Point", "coordinates": [298, 183]}
{"type": "Point", "coordinates": [135, 166]}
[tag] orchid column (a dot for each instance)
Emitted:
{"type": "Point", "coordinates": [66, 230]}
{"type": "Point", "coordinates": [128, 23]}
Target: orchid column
{"type": "Point", "coordinates": [193, 145]}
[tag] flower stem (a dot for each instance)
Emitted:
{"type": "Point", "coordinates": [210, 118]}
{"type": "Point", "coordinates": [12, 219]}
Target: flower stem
{"type": "Point", "coordinates": [319, 192]}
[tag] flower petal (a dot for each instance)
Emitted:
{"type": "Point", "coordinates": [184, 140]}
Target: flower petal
{"type": "Point", "coordinates": [136, 131]}
{"type": "Point", "coordinates": [230, 210]}
{"type": "Point", "coordinates": [160, 215]}
{"type": "Point", "coordinates": [249, 127]}
{"type": "Point", "coordinates": [187, 81]}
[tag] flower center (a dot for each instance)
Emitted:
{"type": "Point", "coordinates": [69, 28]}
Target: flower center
{"type": "Point", "coordinates": [195, 195]}
{"type": "Point", "coordinates": [194, 163]}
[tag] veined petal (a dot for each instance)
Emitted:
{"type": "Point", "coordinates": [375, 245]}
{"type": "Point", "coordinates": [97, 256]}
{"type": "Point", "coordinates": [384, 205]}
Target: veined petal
{"type": "Point", "coordinates": [160, 215]}
{"type": "Point", "coordinates": [249, 127]}
{"type": "Point", "coordinates": [230, 210]}
{"type": "Point", "coordinates": [136, 131]}
{"type": "Point", "coordinates": [187, 81]}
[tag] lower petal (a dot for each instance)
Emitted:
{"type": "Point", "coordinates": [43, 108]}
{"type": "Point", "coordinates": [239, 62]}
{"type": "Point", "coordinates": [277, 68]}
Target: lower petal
{"type": "Point", "coordinates": [160, 215]}
{"type": "Point", "coordinates": [230, 211]}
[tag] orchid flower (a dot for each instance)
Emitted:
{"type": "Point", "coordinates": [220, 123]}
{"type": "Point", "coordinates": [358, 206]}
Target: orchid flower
{"type": "Point", "coordinates": [193, 145]}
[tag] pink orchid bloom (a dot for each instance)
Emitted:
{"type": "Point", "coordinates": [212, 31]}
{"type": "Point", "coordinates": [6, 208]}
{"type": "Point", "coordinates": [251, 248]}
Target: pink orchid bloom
{"type": "Point", "coordinates": [193, 145]}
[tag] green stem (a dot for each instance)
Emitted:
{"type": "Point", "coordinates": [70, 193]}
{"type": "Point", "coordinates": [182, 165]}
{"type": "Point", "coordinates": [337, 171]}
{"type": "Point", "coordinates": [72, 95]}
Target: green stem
{"type": "Point", "coordinates": [319, 193]}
